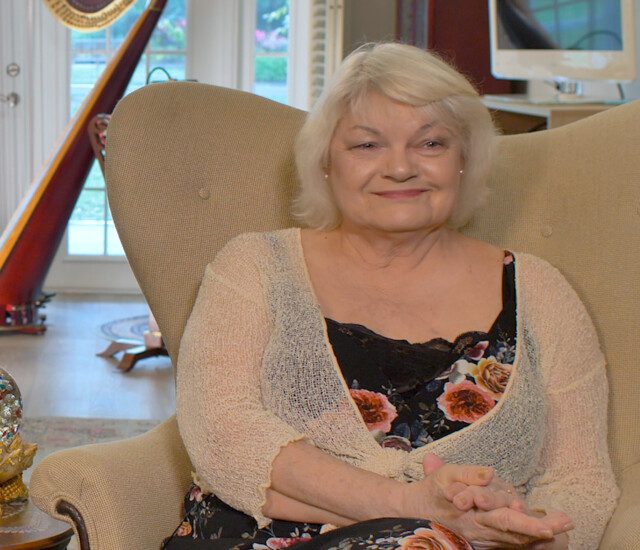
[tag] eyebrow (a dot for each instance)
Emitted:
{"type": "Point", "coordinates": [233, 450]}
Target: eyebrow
{"type": "Point", "coordinates": [370, 130]}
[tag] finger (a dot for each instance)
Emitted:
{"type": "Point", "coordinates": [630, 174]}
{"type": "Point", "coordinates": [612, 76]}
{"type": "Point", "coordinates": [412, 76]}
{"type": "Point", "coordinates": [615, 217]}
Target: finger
{"type": "Point", "coordinates": [517, 502]}
{"type": "Point", "coordinates": [464, 500]}
{"type": "Point", "coordinates": [517, 523]}
{"type": "Point", "coordinates": [469, 475]}
{"type": "Point", "coordinates": [558, 522]}
{"type": "Point", "coordinates": [514, 500]}
{"type": "Point", "coordinates": [430, 463]}
{"type": "Point", "coordinates": [483, 498]}
{"type": "Point", "coordinates": [451, 490]}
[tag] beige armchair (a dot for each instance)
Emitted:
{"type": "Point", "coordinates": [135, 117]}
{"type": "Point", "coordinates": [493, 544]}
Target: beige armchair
{"type": "Point", "coordinates": [190, 165]}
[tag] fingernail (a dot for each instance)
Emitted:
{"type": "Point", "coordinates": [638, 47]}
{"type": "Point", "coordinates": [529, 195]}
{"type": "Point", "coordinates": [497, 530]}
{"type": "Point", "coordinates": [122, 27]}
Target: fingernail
{"type": "Point", "coordinates": [546, 533]}
{"type": "Point", "coordinates": [568, 526]}
{"type": "Point", "coordinates": [484, 474]}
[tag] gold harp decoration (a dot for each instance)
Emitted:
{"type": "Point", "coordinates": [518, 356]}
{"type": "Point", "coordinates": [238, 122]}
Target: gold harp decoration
{"type": "Point", "coordinates": [88, 15]}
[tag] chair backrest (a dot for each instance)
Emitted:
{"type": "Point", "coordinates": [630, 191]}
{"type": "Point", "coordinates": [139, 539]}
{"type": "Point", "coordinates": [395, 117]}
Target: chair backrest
{"type": "Point", "coordinates": [572, 196]}
{"type": "Point", "coordinates": [190, 165]}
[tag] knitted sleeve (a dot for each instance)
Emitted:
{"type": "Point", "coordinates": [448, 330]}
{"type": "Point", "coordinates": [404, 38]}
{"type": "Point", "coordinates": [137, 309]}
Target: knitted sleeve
{"type": "Point", "coordinates": [575, 471]}
{"type": "Point", "coordinates": [231, 438]}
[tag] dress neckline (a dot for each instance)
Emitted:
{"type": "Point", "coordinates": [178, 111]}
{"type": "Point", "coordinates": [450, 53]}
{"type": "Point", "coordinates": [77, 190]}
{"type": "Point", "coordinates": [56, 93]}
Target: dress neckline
{"type": "Point", "coordinates": [508, 296]}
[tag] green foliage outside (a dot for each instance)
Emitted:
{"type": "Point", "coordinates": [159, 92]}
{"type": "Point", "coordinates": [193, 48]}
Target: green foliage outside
{"type": "Point", "coordinates": [271, 69]}
{"type": "Point", "coordinates": [90, 206]}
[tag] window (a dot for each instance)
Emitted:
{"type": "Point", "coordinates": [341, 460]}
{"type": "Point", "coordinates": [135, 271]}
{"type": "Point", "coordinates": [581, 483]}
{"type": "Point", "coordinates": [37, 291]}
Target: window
{"type": "Point", "coordinates": [272, 49]}
{"type": "Point", "coordinates": [90, 230]}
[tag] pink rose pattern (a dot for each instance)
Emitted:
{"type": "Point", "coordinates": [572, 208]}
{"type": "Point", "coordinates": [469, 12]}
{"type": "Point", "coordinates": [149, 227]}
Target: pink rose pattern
{"type": "Point", "coordinates": [403, 409]}
{"type": "Point", "coordinates": [376, 410]}
{"type": "Point", "coordinates": [465, 402]}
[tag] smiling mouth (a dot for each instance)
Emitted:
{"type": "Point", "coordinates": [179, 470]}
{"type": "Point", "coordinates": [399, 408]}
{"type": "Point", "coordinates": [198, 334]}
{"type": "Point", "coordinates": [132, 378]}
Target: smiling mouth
{"type": "Point", "coordinates": [401, 194]}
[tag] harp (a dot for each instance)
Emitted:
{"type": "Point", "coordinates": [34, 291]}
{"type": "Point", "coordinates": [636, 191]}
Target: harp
{"type": "Point", "coordinates": [29, 242]}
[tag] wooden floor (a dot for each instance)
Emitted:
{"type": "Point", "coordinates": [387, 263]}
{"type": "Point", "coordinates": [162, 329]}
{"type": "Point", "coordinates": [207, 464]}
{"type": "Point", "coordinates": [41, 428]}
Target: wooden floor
{"type": "Point", "coordinates": [59, 374]}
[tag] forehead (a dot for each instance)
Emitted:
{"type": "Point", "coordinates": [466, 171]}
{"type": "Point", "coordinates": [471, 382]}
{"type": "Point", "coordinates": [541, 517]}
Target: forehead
{"type": "Point", "coordinates": [377, 111]}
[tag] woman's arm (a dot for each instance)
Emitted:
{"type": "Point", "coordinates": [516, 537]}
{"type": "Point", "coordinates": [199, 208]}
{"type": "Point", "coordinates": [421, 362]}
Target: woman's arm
{"type": "Point", "coordinates": [576, 471]}
{"type": "Point", "coordinates": [279, 506]}
{"type": "Point", "coordinates": [230, 437]}
{"type": "Point", "coordinates": [307, 474]}
{"type": "Point", "coordinates": [239, 449]}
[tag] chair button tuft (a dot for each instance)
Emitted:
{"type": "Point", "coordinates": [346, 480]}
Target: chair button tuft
{"type": "Point", "coordinates": [204, 193]}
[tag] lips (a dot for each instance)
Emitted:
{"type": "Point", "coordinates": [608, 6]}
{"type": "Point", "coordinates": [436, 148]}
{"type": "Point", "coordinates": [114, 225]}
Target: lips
{"type": "Point", "coordinates": [401, 194]}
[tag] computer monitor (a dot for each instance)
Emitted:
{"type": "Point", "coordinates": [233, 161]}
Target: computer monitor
{"type": "Point", "coordinates": [562, 40]}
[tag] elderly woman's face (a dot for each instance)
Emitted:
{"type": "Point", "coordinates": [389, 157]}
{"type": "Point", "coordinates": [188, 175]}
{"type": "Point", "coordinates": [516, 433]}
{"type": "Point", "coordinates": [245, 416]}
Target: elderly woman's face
{"type": "Point", "coordinates": [394, 167]}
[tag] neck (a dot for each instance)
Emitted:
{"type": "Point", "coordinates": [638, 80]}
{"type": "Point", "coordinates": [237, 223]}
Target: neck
{"type": "Point", "coordinates": [375, 250]}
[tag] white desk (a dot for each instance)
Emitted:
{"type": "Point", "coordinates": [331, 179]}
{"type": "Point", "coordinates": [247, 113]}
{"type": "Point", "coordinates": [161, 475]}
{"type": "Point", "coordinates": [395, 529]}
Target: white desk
{"type": "Point", "coordinates": [517, 117]}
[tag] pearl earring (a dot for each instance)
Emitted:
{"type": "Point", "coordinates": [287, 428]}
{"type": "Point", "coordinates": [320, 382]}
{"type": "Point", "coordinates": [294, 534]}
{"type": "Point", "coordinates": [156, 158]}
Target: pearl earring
{"type": "Point", "coordinates": [326, 176]}
{"type": "Point", "coordinates": [461, 172]}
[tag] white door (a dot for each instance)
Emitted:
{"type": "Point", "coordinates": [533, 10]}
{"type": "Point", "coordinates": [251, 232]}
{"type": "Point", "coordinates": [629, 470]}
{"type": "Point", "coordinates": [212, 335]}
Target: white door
{"type": "Point", "coordinates": [34, 65]}
{"type": "Point", "coordinates": [15, 105]}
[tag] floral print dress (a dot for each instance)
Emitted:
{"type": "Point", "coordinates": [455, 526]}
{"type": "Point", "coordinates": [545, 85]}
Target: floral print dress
{"type": "Point", "coordinates": [409, 394]}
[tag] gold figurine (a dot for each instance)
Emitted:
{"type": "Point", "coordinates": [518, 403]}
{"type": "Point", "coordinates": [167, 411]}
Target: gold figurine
{"type": "Point", "coordinates": [15, 455]}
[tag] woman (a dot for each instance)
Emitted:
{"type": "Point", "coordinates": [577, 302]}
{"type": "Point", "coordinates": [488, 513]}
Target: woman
{"type": "Point", "coordinates": [379, 364]}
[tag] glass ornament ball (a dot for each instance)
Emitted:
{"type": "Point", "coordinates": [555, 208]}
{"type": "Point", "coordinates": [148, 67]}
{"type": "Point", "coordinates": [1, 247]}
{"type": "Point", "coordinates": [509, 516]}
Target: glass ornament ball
{"type": "Point", "coordinates": [10, 408]}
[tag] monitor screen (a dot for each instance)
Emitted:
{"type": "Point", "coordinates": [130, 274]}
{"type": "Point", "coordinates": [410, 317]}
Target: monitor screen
{"type": "Point", "coordinates": [560, 25]}
{"type": "Point", "coordinates": [563, 39]}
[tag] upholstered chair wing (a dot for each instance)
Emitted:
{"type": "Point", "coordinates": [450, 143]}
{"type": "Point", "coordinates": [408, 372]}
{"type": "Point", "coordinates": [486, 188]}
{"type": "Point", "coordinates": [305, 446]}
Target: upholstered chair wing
{"type": "Point", "coordinates": [190, 165]}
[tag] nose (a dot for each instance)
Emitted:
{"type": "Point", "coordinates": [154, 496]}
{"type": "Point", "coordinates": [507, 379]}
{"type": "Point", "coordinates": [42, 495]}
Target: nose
{"type": "Point", "coordinates": [399, 165]}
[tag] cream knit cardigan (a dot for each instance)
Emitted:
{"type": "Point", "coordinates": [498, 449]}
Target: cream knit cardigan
{"type": "Point", "coordinates": [256, 371]}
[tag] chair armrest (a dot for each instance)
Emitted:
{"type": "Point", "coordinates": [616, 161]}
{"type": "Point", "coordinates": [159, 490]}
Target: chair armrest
{"type": "Point", "coordinates": [124, 494]}
{"type": "Point", "coordinates": [623, 531]}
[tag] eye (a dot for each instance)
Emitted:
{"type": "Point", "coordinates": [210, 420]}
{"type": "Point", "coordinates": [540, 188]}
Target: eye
{"type": "Point", "coordinates": [432, 144]}
{"type": "Point", "coordinates": [366, 145]}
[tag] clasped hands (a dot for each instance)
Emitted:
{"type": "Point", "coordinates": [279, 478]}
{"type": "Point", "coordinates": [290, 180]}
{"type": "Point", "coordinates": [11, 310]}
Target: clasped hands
{"type": "Point", "coordinates": [475, 503]}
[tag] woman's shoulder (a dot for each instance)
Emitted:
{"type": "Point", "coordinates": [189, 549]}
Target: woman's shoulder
{"type": "Point", "coordinates": [536, 273]}
{"type": "Point", "coordinates": [547, 294]}
{"type": "Point", "coordinates": [251, 248]}
{"type": "Point", "coordinates": [257, 238]}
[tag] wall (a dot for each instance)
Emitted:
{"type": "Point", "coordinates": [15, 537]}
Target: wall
{"type": "Point", "coordinates": [459, 31]}
{"type": "Point", "coordinates": [368, 21]}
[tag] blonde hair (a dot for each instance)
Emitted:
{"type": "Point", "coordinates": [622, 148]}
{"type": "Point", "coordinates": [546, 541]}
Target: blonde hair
{"type": "Point", "coordinates": [409, 75]}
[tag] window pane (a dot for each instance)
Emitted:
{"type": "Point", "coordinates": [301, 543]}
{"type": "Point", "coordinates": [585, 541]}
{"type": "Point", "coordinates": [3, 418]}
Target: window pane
{"type": "Point", "coordinates": [171, 31]}
{"type": "Point", "coordinates": [91, 228]}
{"type": "Point", "coordinates": [173, 64]}
{"type": "Point", "coordinates": [271, 77]}
{"type": "Point", "coordinates": [90, 206]}
{"type": "Point", "coordinates": [123, 25]}
{"type": "Point", "coordinates": [95, 180]}
{"type": "Point", "coordinates": [139, 77]}
{"type": "Point", "coordinates": [114, 247]}
{"type": "Point", "coordinates": [89, 42]}
{"type": "Point", "coordinates": [272, 46]}
{"type": "Point", "coordinates": [272, 26]}
{"type": "Point", "coordinates": [86, 238]}
{"type": "Point", "coordinates": [85, 70]}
